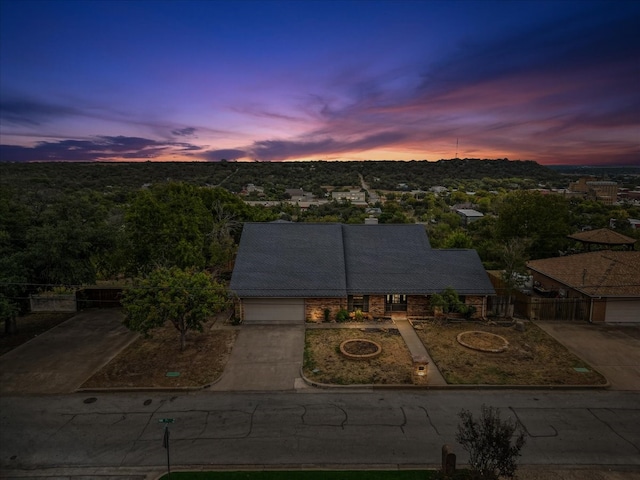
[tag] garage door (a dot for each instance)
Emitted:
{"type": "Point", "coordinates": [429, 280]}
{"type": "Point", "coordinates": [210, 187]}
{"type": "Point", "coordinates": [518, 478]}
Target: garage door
{"type": "Point", "coordinates": [623, 310]}
{"type": "Point", "coordinates": [273, 310]}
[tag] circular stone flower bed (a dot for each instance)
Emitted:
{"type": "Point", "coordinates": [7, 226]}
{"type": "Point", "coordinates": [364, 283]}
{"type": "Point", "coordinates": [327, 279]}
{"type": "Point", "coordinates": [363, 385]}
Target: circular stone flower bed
{"type": "Point", "coordinates": [483, 341]}
{"type": "Point", "coordinates": [360, 348]}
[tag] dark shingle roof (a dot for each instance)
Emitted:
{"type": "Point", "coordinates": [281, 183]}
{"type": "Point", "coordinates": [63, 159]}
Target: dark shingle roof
{"type": "Point", "coordinates": [290, 260]}
{"type": "Point", "coordinates": [333, 260]}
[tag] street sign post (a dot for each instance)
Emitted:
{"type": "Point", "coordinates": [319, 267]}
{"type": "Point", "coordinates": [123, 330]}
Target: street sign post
{"type": "Point", "coordinates": [165, 441]}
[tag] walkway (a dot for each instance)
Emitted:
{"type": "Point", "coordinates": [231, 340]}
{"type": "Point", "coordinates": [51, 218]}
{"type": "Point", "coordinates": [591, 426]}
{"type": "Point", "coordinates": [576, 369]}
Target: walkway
{"type": "Point", "coordinates": [410, 337]}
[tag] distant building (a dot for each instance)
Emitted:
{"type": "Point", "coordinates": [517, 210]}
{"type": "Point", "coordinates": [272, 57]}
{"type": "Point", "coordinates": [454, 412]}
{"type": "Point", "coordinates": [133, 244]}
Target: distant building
{"type": "Point", "coordinates": [298, 195]}
{"type": "Point", "coordinates": [600, 190]}
{"type": "Point", "coordinates": [469, 215]}
{"type": "Point", "coordinates": [354, 196]}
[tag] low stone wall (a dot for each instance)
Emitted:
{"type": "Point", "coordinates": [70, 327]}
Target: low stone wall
{"type": "Point", "coordinates": [53, 303]}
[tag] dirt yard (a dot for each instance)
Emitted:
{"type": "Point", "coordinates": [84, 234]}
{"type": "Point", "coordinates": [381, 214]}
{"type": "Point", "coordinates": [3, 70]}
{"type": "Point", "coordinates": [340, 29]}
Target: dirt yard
{"type": "Point", "coordinates": [531, 358]}
{"type": "Point", "coordinates": [323, 362]}
{"type": "Point", "coordinates": [158, 361]}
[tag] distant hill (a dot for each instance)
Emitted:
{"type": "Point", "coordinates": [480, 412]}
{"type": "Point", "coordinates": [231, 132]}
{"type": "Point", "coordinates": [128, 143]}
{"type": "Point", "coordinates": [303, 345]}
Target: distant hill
{"type": "Point", "coordinates": [385, 175]}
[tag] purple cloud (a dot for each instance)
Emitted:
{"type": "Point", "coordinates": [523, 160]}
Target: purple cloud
{"type": "Point", "coordinates": [100, 148]}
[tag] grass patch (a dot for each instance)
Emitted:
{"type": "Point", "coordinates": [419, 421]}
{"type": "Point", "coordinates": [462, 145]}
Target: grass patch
{"type": "Point", "coordinates": [320, 475]}
{"type": "Point", "coordinates": [323, 362]}
{"type": "Point", "coordinates": [532, 358]}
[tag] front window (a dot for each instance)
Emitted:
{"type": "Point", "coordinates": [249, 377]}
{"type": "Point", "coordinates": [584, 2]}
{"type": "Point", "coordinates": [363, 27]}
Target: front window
{"type": "Point", "coordinates": [358, 302]}
{"type": "Point", "coordinates": [395, 303]}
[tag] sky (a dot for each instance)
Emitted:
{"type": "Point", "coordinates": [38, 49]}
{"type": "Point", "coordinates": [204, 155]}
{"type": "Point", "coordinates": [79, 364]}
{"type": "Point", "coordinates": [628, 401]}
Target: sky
{"type": "Point", "coordinates": [557, 82]}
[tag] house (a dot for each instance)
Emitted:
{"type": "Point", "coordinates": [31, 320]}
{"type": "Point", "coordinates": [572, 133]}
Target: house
{"type": "Point", "coordinates": [294, 272]}
{"type": "Point", "coordinates": [608, 282]}
{"type": "Point", "coordinates": [354, 196]}
{"type": "Point", "coordinates": [469, 215]}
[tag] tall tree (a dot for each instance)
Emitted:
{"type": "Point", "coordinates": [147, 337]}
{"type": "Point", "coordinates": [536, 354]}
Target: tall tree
{"type": "Point", "coordinates": [543, 219]}
{"type": "Point", "coordinates": [166, 226]}
{"type": "Point", "coordinates": [183, 297]}
{"type": "Point", "coordinates": [64, 239]}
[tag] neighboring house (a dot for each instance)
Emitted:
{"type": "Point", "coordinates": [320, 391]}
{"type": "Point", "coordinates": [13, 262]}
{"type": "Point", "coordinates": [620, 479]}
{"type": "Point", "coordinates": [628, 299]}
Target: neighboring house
{"type": "Point", "coordinates": [297, 195]}
{"type": "Point", "coordinates": [469, 215]}
{"type": "Point", "coordinates": [354, 196]}
{"type": "Point", "coordinates": [292, 272]}
{"type": "Point", "coordinates": [608, 282]}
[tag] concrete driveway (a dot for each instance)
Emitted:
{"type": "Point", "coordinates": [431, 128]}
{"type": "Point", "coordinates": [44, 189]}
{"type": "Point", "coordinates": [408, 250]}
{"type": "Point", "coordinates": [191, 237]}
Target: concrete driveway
{"type": "Point", "coordinates": [265, 358]}
{"type": "Point", "coordinates": [613, 350]}
{"type": "Point", "coordinates": [62, 359]}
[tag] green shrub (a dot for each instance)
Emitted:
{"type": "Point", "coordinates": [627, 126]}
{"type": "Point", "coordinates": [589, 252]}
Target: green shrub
{"type": "Point", "coordinates": [342, 315]}
{"type": "Point", "coordinates": [327, 313]}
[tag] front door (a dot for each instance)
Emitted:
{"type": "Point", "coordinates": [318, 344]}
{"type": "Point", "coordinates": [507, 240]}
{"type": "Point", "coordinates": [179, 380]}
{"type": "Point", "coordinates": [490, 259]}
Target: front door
{"type": "Point", "coordinates": [395, 303]}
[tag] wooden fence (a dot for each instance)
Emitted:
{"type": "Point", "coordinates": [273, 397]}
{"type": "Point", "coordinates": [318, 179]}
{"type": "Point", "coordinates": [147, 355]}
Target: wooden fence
{"type": "Point", "coordinates": [537, 308]}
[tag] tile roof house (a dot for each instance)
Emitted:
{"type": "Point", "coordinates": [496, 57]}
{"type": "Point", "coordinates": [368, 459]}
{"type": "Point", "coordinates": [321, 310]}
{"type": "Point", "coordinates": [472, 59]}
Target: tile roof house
{"type": "Point", "coordinates": [608, 280]}
{"type": "Point", "coordinates": [292, 272]}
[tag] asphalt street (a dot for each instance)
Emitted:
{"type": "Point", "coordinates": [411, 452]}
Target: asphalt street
{"type": "Point", "coordinates": [372, 428]}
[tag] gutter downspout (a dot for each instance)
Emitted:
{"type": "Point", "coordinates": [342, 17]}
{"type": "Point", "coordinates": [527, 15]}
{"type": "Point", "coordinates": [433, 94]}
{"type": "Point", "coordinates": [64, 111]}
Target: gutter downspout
{"type": "Point", "coordinates": [591, 309]}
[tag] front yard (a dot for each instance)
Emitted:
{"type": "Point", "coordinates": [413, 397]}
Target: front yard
{"type": "Point", "coordinates": [323, 362]}
{"type": "Point", "coordinates": [532, 357]}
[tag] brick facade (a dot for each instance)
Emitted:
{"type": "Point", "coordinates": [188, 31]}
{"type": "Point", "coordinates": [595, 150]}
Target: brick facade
{"type": "Point", "coordinates": [418, 306]}
{"type": "Point", "coordinates": [314, 308]}
{"type": "Point", "coordinates": [478, 302]}
{"type": "Point", "coordinates": [376, 306]}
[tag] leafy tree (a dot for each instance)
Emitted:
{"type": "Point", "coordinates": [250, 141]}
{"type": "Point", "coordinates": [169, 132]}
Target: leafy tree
{"type": "Point", "coordinates": [183, 297]}
{"type": "Point", "coordinates": [14, 221]}
{"type": "Point", "coordinates": [544, 219]}
{"type": "Point", "coordinates": [513, 256]}
{"type": "Point", "coordinates": [177, 224]}
{"type": "Point", "coordinates": [167, 226]}
{"type": "Point", "coordinates": [65, 239]}
{"type": "Point", "coordinates": [490, 441]}
{"type": "Point", "coordinates": [458, 239]}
